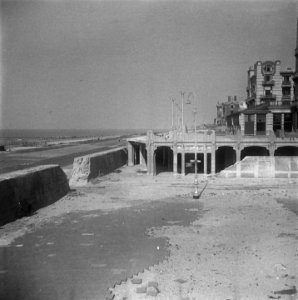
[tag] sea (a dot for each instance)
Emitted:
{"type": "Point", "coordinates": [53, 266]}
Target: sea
{"type": "Point", "coordinates": [34, 136]}
{"type": "Point", "coordinates": [65, 133]}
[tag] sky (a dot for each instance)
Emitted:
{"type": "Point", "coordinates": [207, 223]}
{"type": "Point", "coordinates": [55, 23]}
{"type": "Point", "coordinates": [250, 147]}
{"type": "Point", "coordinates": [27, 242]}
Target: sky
{"type": "Point", "coordinates": [117, 64]}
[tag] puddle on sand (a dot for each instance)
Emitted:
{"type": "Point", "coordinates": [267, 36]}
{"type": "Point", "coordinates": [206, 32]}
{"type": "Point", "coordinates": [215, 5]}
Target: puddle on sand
{"type": "Point", "coordinates": [290, 204]}
{"type": "Point", "coordinates": [81, 260]}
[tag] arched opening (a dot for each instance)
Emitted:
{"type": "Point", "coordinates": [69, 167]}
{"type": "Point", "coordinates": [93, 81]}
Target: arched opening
{"type": "Point", "coordinates": [225, 156]}
{"type": "Point", "coordinates": [286, 151]}
{"type": "Point", "coordinates": [189, 163]}
{"type": "Point", "coordinates": [163, 159]}
{"type": "Point", "coordinates": [254, 151]}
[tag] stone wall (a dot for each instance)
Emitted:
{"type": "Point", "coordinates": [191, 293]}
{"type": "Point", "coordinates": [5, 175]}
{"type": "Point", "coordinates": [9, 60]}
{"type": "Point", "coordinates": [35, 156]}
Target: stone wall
{"type": "Point", "coordinates": [86, 168]}
{"type": "Point", "coordinates": [23, 192]}
{"type": "Point", "coordinates": [263, 167]}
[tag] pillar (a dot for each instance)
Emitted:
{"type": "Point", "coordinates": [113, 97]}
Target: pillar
{"type": "Point", "coordinates": [175, 161]}
{"type": "Point", "coordinates": [282, 121]}
{"type": "Point", "coordinates": [238, 154]}
{"type": "Point", "coordinates": [130, 151]}
{"type": "Point", "coordinates": [271, 150]}
{"type": "Point", "coordinates": [142, 158]}
{"type": "Point", "coordinates": [205, 161]}
{"type": "Point", "coordinates": [213, 151]}
{"type": "Point", "coordinates": [183, 163]}
{"type": "Point", "coordinates": [255, 124]}
{"type": "Point", "coordinates": [154, 164]}
{"type": "Point", "coordinates": [150, 160]}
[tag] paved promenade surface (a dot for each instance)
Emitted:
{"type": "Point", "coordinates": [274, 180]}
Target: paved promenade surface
{"type": "Point", "coordinates": [239, 241]}
{"type": "Point", "coordinates": [62, 155]}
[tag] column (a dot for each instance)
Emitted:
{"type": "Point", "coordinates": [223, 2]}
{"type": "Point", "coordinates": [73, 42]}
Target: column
{"type": "Point", "coordinates": [271, 150]}
{"type": "Point", "coordinates": [174, 160]}
{"type": "Point", "coordinates": [130, 151]}
{"type": "Point", "coordinates": [213, 161]}
{"type": "Point", "coordinates": [205, 160]}
{"type": "Point", "coordinates": [282, 121]}
{"type": "Point", "coordinates": [150, 160]}
{"type": "Point", "coordinates": [183, 163]}
{"type": "Point", "coordinates": [238, 154]}
{"type": "Point", "coordinates": [154, 164]}
{"type": "Point", "coordinates": [213, 151]}
{"type": "Point", "coordinates": [255, 124]}
{"type": "Point", "coordinates": [142, 159]}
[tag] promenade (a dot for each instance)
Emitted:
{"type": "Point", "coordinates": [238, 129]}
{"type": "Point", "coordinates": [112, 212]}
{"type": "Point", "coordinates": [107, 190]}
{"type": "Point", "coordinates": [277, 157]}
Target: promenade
{"type": "Point", "coordinates": [62, 155]}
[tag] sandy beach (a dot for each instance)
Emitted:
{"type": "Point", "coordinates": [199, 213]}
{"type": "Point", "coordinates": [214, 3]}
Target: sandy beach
{"type": "Point", "coordinates": [243, 244]}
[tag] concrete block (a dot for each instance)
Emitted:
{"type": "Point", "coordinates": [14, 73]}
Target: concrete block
{"type": "Point", "coordinates": [23, 192]}
{"type": "Point", "coordinates": [152, 291]}
{"type": "Point", "coordinates": [91, 166]}
{"type": "Point", "coordinates": [136, 281]}
{"type": "Point", "coordinates": [141, 290]}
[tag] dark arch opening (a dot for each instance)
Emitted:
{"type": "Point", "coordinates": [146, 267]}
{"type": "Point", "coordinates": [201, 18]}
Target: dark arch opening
{"type": "Point", "coordinates": [286, 151]}
{"type": "Point", "coordinates": [189, 163]}
{"type": "Point", "coordinates": [254, 151]}
{"type": "Point", "coordinates": [163, 159]}
{"type": "Point", "coordinates": [225, 156]}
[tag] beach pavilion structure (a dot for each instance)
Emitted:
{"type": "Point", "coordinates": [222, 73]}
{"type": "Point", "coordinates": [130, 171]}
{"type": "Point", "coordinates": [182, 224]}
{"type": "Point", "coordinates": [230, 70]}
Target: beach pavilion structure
{"type": "Point", "coordinates": [174, 151]}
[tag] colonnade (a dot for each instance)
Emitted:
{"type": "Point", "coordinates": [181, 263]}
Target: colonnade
{"type": "Point", "coordinates": [171, 152]}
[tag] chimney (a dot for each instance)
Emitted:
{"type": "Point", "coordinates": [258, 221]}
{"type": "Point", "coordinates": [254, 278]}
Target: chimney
{"type": "Point", "coordinates": [235, 98]}
{"type": "Point", "coordinates": [229, 98]}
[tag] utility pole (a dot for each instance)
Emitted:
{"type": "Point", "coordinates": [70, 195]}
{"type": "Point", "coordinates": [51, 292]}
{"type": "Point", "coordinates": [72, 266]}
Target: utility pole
{"type": "Point", "coordinates": [173, 113]}
{"type": "Point", "coordinates": [196, 183]}
{"type": "Point", "coordinates": [182, 121]}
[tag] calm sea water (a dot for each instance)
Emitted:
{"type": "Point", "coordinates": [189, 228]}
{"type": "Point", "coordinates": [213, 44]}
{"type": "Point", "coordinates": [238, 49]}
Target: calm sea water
{"type": "Point", "coordinates": [36, 133]}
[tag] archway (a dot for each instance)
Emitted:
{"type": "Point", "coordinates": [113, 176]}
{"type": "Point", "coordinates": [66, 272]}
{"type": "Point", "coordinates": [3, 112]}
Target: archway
{"type": "Point", "coordinates": [225, 156]}
{"type": "Point", "coordinates": [163, 159]}
{"type": "Point", "coordinates": [254, 151]}
{"type": "Point", "coordinates": [286, 151]}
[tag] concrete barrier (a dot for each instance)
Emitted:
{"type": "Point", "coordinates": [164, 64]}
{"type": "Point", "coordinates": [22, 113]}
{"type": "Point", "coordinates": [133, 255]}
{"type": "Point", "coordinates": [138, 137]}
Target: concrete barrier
{"type": "Point", "coordinates": [97, 164]}
{"type": "Point", "coordinates": [23, 192]}
{"type": "Point", "coordinates": [263, 167]}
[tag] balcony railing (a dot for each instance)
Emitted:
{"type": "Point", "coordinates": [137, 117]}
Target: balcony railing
{"type": "Point", "coordinates": [268, 97]}
{"type": "Point", "coordinates": [268, 82]}
{"type": "Point", "coordinates": [286, 83]}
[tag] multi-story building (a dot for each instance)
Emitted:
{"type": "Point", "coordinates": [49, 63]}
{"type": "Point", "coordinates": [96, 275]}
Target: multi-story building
{"type": "Point", "coordinates": [270, 101]}
{"type": "Point", "coordinates": [225, 109]}
{"type": "Point", "coordinates": [295, 76]}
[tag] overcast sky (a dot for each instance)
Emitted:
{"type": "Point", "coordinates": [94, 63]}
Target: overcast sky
{"type": "Point", "coordinates": [116, 64]}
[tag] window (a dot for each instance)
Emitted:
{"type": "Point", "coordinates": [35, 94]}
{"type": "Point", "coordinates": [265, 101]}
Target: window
{"type": "Point", "coordinates": [268, 93]}
{"type": "Point", "coordinates": [286, 91]}
{"type": "Point", "coordinates": [267, 68]}
{"type": "Point", "coordinates": [267, 78]}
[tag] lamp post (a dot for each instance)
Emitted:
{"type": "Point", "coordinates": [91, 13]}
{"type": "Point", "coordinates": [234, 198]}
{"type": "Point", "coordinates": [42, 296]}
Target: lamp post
{"type": "Point", "coordinates": [173, 113]}
{"type": "Point", "coordinates": [196, 183]}
{"type": "Point", "coordinates": [182, 121]}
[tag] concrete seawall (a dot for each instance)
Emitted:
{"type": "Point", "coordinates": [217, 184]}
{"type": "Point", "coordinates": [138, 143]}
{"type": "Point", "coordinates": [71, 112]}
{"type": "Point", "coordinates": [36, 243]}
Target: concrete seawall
{"type": "Point", "coordinates": [97, 164]}
{"type": "Point", "coordinates": [23, 192]}
{"type": "Point", "coordinates": [263, 167]}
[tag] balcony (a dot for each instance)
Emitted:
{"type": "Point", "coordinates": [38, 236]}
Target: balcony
{"type": "Point", "coordinates": [268, 82]}
{"type": "Point", "coordinates": [267, 98]}
{"type": "Point", "coordinates": [286, 83]}
{"type": "Point", "coordinates": [286, 98]}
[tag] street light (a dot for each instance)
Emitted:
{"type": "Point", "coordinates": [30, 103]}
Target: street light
{"type": "Point", "coordinates": [196, 183]}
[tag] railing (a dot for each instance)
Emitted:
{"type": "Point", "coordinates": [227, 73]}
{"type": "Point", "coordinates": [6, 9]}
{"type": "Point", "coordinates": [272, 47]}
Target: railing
{"type": "Point", "coordinates": [268, 97]}
{"type": "Point", "coordinates": [286, 83]}
{"type": "Point", "coordinates": [268, 82]}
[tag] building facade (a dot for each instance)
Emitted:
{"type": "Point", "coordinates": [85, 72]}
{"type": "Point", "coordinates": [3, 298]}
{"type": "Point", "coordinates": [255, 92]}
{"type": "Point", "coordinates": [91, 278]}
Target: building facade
{"type": "Point", "coordinates": [224, 109]}
{"type": "Point", "coordinates": [271, 105]}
